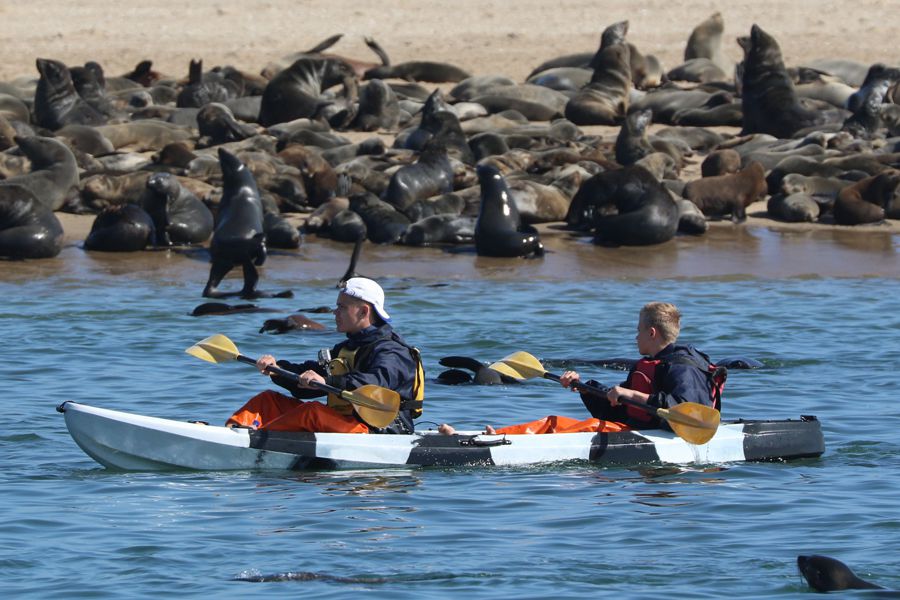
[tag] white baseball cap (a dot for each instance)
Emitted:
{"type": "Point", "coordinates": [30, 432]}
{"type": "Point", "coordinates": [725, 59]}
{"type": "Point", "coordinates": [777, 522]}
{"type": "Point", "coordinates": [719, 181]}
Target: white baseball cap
{"type": "Point", "coordinates": [368, 291]}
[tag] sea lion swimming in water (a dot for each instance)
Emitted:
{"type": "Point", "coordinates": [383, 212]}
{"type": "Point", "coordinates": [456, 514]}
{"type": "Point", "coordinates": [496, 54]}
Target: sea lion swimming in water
{"type": "Point", "coordinates": [826, 574]}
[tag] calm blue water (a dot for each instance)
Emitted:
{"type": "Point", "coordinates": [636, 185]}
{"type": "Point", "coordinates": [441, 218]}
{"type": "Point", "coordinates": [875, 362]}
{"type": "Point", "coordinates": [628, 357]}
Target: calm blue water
{"type": "Point", "coordinates": [103, 334]}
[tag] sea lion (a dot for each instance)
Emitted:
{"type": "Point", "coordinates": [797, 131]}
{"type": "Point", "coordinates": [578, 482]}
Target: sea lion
{"type": "Point", "coordinates": [705, 42]}
{"type": "Point", "coordinates": [179, 217]}
{"type": "Point", "coordinates": [378, 108]}
{"type": "Point", "coordinates": [729, 194]}
{"type": "Point", "coordinates": [604, 101]}
{"type": "Point", "coordinates": [239, 236]}
{"type": "Point", "coordinates": [290, 323]}
{"type": "Point", "coordinates": [798, 207]}
{"type": "Point", "coordinates": [869, 200]}
{"type": "Point", "coordinates": [632, 143]}
{"type": "Point", "coordinates": [770, 103]}
{"type": "Point", "coordinates": [56, 103]}
{"type": "Point", "coordinates": [217, 125]}
{"type": "Point", "coordinates": [296, 92]}
{"type": "Point", "coordinates": [626, 207]}
{"type": "Point", "coordinates": [319, 178]}
{"type": "Point", "coordinates": [219, 308]}
{"type": "Point", "coordinates": [499, 230]}
{"type": "Point", "coordinates": [691, 219]}
{"type": "Point", "coordinates": [720, 162]}
{"type": "Point", "coordinates": [430, 175]}
{"type": "Point", "coordinates": [384, 223]}
{"type": "Point", "coordinates": [144, 135]}
{"type": "Point", "coordinates": [483, 374]}
{"type": "Point", "coordinates": [440, 229]}
{"type": "Point", "coordinates": [318, 51]}
{"type": "Point", "coordinates": [438, 120]}
{"type": "Point", "coordinates": [865, 121]}
{"type": "Point", "coordinates": [28, 228]}
{"type": "Point", "coordinates": [280, 233]}
{"type": "Point", "coordinates": [535, 102]}
{"type": "Point", "coordinates": [826, 574]}
{"type": "Point", "coordinates": [123, 228]}
{"type": "Point", "coordinates": [203, 88]}
{"type": "Point", "coordinates": [347, 226]}
{"type": "Point", "coordinates": [90, 84]}
{"type": "Point", "coordinates": [428, 71]}
{"type": "Point", "coordinates": [54, 173]}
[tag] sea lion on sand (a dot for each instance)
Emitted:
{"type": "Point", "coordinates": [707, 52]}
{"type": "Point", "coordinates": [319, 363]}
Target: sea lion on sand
{"type": "Point", "coordinates": [865, 121]}
{"type": "Point", "coordinates": [440, 229]}
{"type": "Point", "coordinates": [705, 42]}
{"type": "Point", "coordinates": [384, 223]}
{"type": "Point", "coordinates": [770, 103]}
{"type": "Point", "coordinates": [56, 103]}
{"type": "Point", "coordinates": [217, 125]}
{"type": "Point", "coordinates": [279, 232]}
{"type": "Point", "coordinates": [728, 194]}
{"type": "Point", "coordinates": [691, 219]}
{"type": "Point", "coordinates": [720, 162]}
{"type": "Point", "coordinates": [203, 88]}
{"type": "Point", "coordinates": [239, 236]}
{"type": "Point", "coordinates": [54, 173]}
{"type": "Point", "coordinates": [28, 228]}
{"type": "Point", "coordinates": [179, 217]}
{"type": "Point", "coordinates": [826, 574]}
{"type": "Point", "coordinates": [378, 108]}
{"type": "Point", "coordinates": [430, 175]}
{"type": "Point", "coordinates": [632, 143]}
{"type": "Point", "coordinates": [429, 71]}
{"type": "Point", "coordinates": [347, 226]}
{"type": "Point", "coordinates": [123, 228]}
{"type": "Point", "coordinates": [798, 207]}
{"type": "Point", "coordinates": [296, 92]}
{"type": "Point", "coordinates": [869, 200]}
{"type": "Point", "coordinates": [499, 230]}
{"type": "Point", "coordinates": [603, 101]}
{"type": "Point", "coordinates": [626, 207]}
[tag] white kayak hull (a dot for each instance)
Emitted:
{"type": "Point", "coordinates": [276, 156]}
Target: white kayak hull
{"type": "Point", "coordinates": [131, 442]}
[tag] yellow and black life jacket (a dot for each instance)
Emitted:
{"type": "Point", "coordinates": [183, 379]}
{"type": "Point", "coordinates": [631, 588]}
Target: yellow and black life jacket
{"type": "Point", "coordinates": [347, 358]}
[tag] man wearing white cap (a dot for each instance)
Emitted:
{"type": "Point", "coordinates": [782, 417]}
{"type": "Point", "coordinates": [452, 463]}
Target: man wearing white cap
{"type": "Point", "coordinates": [372, 354]}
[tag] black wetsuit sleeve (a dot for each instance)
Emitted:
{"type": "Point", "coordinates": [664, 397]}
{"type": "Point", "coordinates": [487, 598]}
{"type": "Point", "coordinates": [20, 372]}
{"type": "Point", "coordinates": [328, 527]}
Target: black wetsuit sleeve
{"type": "Point", "coordinates": [290, 384]}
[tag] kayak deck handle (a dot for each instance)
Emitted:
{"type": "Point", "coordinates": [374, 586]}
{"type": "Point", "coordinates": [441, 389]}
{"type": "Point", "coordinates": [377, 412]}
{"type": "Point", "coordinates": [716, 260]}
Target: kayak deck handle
{"type": "Point", "coordinates": [476, 440]}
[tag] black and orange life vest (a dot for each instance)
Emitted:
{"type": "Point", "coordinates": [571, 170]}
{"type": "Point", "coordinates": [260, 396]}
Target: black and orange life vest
{"type": "Point", "coordinates": [647, 374]}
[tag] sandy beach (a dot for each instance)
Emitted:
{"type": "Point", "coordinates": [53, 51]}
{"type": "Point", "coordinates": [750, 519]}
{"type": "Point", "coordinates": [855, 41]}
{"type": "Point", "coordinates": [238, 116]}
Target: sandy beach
{"type": "Point", "coordinates": [483, 38]}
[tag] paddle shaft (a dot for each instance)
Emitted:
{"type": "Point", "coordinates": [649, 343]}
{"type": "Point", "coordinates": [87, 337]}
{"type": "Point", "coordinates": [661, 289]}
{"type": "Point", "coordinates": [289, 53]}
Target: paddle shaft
{"type": "Point", "coordinates": [602, 392]}
{"type": "Point", "coordinates": [291, 375]}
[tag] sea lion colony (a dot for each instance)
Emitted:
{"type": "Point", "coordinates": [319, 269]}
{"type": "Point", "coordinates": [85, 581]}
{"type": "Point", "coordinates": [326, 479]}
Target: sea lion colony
{"type": "Point", "coordinates": [143, 150]}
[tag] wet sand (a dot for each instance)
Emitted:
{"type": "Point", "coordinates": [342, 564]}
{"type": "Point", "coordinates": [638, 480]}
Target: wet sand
{"type": "Point", "coordinates": [484, 37]}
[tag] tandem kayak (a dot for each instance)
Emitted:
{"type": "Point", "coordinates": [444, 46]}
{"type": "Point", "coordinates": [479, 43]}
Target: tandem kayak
{"type": "Point", "coordinates": [131, 442]}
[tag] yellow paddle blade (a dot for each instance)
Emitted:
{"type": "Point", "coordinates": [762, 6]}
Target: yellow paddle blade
{"type": "Point", "coordinates": [200, 353]}
{"type": "Point", "coordinates": [519, 365]}
{"type": "Point", "coordinates": [215, 349]}
{"type": "Point", "coordinates": [376, 405]}
{"type": "Point", "coordinates": [694, 423]}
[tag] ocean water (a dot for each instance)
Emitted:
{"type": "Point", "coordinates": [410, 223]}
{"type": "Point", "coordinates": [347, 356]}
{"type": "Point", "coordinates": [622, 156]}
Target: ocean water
{"type": "Point", "coordinates": [109, 333]}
